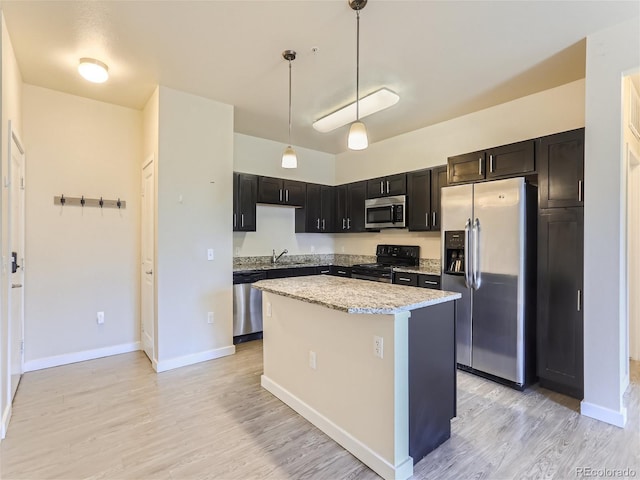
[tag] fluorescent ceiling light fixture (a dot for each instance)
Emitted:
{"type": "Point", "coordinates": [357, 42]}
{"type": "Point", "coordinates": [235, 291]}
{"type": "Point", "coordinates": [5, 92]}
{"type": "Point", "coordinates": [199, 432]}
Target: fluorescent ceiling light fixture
{"type": "Point", "coordinates": [372, 103]}
{"type": "Point", "coordinates": [93, 70]}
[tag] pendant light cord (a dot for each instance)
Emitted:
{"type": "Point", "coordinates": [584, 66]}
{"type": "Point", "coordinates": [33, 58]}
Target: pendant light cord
{"type": "Point", "coordinates": [357, 65]}
{"type": "Point", "coordinates": [289, 102]}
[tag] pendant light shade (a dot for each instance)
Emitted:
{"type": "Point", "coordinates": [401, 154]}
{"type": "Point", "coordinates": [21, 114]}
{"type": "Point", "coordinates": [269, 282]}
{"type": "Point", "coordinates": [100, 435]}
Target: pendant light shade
{"type": "Point", "coordinates": [289, 157]}
{"type": "Point", "coordinates": [358, 136]}
{"type": "Point", "coordinates": [358, 132]}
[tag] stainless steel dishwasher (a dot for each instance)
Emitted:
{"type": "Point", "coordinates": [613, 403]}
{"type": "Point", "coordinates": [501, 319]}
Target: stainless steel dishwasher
{"type": "Point", "coordinates": [247, 306]}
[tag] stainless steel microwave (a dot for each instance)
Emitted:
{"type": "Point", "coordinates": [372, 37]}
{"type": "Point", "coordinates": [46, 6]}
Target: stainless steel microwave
{"type": "Point", "coordinates": [386, 212]}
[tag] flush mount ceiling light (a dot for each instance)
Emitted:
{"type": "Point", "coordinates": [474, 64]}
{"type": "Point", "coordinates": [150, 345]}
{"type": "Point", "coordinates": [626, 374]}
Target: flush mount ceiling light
{"type": "Point", "coordinates": [372, 103]}
{"type": "Point", "coordinates": [93, 70]}
{"type": "Point", "coordinates": [289, 158]}
{"type": "Point", "coordinates": [358, 132]}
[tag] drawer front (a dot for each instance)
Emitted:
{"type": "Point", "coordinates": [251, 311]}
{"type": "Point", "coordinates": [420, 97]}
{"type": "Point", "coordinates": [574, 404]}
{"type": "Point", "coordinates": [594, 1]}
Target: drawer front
{"type": "Point", "coordinates": [324, 270]}
{"type": "Point", "coordinates": [409, 279]}
{"type": "Point", "coordinates": [341, 271]}
{"type": "Point", "coordinates": [429, 281]}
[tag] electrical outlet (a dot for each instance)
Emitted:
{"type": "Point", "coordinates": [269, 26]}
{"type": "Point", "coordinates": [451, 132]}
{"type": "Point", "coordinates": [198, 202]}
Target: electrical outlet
{"type": "Point", "coordinates": [210, 254]}
{"type": "Point", "coordinates": [312, 359]}
{"type": "Point", "coordinates": [100, 318]}
{"type": "Point", "coordinates": [268, 309]}
{"type": "Point", "coordinates": [378, 347]}
{"type": "Point", "coordinates": [209, 317]}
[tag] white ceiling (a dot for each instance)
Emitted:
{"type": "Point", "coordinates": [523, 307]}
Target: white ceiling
{"type": "Point", "coordinates": [444, 58]}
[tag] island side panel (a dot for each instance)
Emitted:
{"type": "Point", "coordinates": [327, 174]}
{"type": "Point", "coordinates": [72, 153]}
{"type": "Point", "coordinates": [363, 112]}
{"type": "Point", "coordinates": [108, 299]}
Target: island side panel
{"type": "Point", "coordinates": [432, 377]}
{"type": "Point", "coordinates": [364, 396]}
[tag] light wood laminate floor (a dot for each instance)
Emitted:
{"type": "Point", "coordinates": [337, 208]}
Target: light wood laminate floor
{"type": "Point", "coordinates": [114, 418]}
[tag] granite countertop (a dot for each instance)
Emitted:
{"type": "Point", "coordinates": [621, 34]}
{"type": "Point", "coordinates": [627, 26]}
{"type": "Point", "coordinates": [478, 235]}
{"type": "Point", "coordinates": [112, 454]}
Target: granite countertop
{"type": "Point", "coordinates": [355, 296]}
{"type": "Point", "coordinates": [427, 270]}
{"type": "Point", "coordinates": [271, 266]}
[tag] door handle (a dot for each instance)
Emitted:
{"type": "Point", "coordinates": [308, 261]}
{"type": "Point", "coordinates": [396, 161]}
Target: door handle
{"type": "Point", "coordinates": [579, 190]}
{"type": "Point", "coordinates": [242, 219]}
{"type": "Point", "coordinates": [426, 219]}
{"type": "Point", "coordinates": [235, 220]}
{"type": "Point", "coordinates": [480, 166]}
{"type": "Point", "coordinates": [477, 278]}
{"type": "Point", "coordinates": [433, 219]}
{"type": "Point", "coordinates": [286, 195]}
{"type": "Point", "coordinates": [149, 272]}
{"type": "Point", "coordinates": [318, 224]}
{"type": "Point", "coordinates": [579, 306]}
{"type": "Point", "coordinates": [348, 224]}
{"type": "Point", "coordinates": [467, 252]}
{"type": "Point", "coordinates": [381, 187]}
{"type": "Point", "coordinates": [387, 186]}
{"type": "Point", "coordinates": [430, 282]}
{"type": "Point", "coordinates": [323, 224]}
{"type": "Point", "coordinates": [344, 224]}
{"type": "Point", "coordinates": [280, 194]}
{"type": "Point", "coordinates": [404, 279]}
{"type": "Point", "coordinates": [491, 163]}
{"type": "Point", "coordinates": [16, 285]}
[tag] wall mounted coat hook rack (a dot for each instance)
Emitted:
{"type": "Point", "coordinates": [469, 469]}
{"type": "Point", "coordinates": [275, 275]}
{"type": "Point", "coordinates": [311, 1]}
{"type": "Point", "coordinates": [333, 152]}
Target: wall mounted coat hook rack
{"type": "Point", "coordinates": [89, 202]}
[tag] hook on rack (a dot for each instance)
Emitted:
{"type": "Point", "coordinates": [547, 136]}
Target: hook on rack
{"type": "Point", "coordinates": [119, 203]}
{"type": "Point", "coordinates": [62, 199]}
{"type": "Point", "coordinates": [82, 200]}
{"type": "Point", "coordinates": [101, 202]}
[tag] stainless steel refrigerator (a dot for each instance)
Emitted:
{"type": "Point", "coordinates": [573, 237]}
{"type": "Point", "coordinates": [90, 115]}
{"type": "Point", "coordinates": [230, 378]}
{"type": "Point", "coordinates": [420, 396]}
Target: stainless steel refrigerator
{"type": "Point", "coordinates": [489, 256]}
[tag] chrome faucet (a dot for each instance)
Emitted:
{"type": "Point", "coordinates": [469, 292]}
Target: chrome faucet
{"type": "Point", "coordinates": [275, 257]}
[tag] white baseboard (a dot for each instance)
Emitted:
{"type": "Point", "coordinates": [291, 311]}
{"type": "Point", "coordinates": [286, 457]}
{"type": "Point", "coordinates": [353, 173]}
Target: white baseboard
{"type": "Point", "coordinates": [177, 362]}
{"type": "Point", "coordinates": [6, 418]}
{"type": "Point", "coordinates": [370, 458]}
{"type": "Point", "coordinates": [613, 417]}
{"type": "Point", "coordinates": [67, 358]}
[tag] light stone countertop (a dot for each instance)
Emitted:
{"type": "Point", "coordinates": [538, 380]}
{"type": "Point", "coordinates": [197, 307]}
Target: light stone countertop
{"type": "Point", "coordinates": [355, 296]}
{"type": "Point", "coordinates": [428, 270]}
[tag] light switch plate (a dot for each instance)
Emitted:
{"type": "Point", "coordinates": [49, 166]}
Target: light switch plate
{"type": "Point", "coordinates": [210, 254]}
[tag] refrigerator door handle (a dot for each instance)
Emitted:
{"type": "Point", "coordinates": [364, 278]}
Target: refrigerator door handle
{"type": "Point", "coordinates": [467, 254]}
{"type": "Point", "coordinates": [477, 277]}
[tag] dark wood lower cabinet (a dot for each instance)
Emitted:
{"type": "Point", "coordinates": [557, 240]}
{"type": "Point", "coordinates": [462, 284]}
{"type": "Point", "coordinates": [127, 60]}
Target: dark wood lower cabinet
{"type": "Point", "coordinates": [560, 286]}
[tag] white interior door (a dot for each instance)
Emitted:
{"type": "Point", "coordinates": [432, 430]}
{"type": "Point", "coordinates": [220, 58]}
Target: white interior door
{"type": "Point", "coordinates": [16, 271]}
{"type": "Point", "coordinates": [633, 253]}
{"type": "Point", "coordinates": [148, 254]}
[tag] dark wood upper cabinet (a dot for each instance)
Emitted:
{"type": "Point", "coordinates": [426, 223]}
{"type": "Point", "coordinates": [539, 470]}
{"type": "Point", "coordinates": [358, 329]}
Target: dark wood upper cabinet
{"type": "Point", "coordinates": [561, 169]}
{"type": "Point", "coordinates": [438, 180]}
{"type": "Point", "coordinates": [349, 200]}
{"type": "Point", "coordinates": [423, 198]}
{"type": "Point", "coordinates": [318, 214]}
{"type": "Point", "coordinates": [277, 191]}
{"type": "Point", "coordinates": [469, 167]}
{"type": "Point", "coordinates": [245, 194]}
{"type": "Point", "coordinates": [560, 286]}
{"type": "Point", "coordinates": [419, 200]}
{"type": "Point", "coordinates": [387, 186]}
{"type": "Point", "coordinates": [511, 160]}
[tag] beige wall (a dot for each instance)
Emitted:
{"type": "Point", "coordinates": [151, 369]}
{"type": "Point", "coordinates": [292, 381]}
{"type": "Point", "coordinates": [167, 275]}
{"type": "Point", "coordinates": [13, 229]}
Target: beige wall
{"type": "Point", "coordinates": [550, 111]}
{"type": "Point", "coordinates": [80, 260]}
{"type": "Point", "coordinates": [610, 54]}
{"type": "Point", "coordinates": [194, 172]}
{"type": "Point", "coordinates": [11, 100]}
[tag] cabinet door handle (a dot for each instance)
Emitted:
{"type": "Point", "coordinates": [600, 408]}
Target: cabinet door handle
{"type": "Point", "coordinates": [280, 194]}
{"type": "Point", "coordinates": [404, 279]}
{"type": "Point", "coordinates": [381, 187]}
{"type": "Point", "coordinates": [433, 219]}
{"type": "Point", "coordinates": [235, 220]}
{"type": "Point", "coordinates": [323, 224]}
{"type": "Point", "coordinates": [387, 186]}
{"type": "Point", "coordinates": [491, 163]}
{"type": "Point", "coordinates": [480, 166]}
{"type": "Point", "coordinates": [430, 282]}
{"type": "Point", "coordinates": [344, 224]}
{"type": "Point", "coordinates": [286, 199]}
{"type": "Point", "coordinates": [242, 220]}
{"type": "Point", "coordinates": [324, 271]}
{"type": "Point", "coordinates": [318, 224]}
{"type": "Point", "coordinates": [348, 224]}
{"type": "Point", "coordinates": [579, 190]}
{"type": "Point", "coordinates": [342, 272]}
{"type": "Point", "coordinates": [426, 219]}
{"type": "Point", "coordinates": [579, 305]}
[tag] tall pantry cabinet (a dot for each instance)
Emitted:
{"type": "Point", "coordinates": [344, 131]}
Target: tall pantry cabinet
{"type": "Point", "coordinates": [560, 161]}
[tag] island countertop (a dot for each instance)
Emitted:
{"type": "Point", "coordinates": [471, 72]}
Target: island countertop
{"type": "Point", "coordinates": [355, 296]}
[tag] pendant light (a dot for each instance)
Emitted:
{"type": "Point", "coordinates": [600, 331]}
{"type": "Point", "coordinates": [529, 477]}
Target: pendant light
{"type": "Point", "coordinates": [358, 132]}
{"type": "Point", "coordinates": [289, 158]}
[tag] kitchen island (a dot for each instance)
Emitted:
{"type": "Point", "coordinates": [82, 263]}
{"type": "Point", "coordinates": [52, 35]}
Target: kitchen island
{"type": "Point", "coordinates": [370, 364]}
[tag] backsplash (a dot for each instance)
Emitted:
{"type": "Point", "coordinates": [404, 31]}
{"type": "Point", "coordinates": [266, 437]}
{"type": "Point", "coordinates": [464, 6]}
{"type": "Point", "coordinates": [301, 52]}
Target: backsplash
{"type": "Point", "coordinates": [324, 259]}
